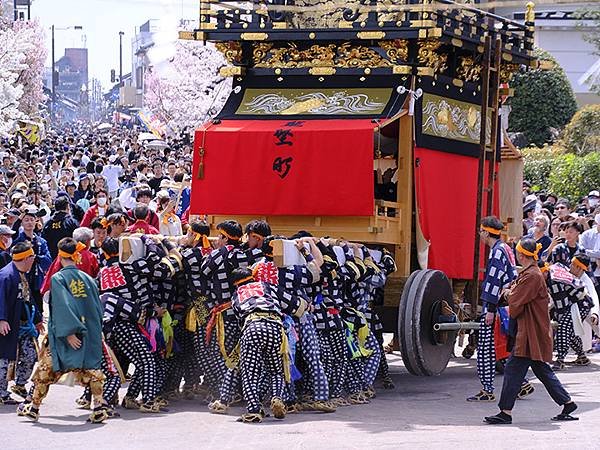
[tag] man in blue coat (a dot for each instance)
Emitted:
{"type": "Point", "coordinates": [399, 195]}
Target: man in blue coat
{"type": "Point", "coordinates": [17, 318]}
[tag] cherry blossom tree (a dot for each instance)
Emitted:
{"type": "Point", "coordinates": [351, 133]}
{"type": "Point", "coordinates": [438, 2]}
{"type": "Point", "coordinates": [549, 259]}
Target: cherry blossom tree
{"type": "Point", "coordinates": [22, 56]}
{"type": "Point", "coordinates": [12, 62]}
{"type": "Point", "coordinates": [32, 76]}
{"type": "Point", "coordinates": [186, 90]}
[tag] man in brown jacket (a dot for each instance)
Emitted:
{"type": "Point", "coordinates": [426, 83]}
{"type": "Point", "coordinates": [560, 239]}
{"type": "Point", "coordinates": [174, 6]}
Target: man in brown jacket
{"type": "Point", "coordinates": [528, 300]}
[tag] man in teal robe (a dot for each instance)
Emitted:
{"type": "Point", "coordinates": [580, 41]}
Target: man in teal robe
{"type": "Point", "coordinates": [74, 341]}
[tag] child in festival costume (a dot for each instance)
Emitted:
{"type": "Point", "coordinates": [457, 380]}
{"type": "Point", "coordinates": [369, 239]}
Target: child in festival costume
{"type": "Point", "coordinates": [19, 322]}
{"type": "Point", "coordinates": [263, 344]}
{"type": "Point", "coordinates": [74, 340]}
{"type": "Point", "coordinates": [570, 303]}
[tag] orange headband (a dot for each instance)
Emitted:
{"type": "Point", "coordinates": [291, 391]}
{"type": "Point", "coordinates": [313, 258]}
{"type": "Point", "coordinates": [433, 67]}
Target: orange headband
{"type": "Point", "coordinates": [21, 256]}
{"type": "Point", "coordinates": [580, 264]}
{"type": "Point", "coordinates": [545, 268]}
{"type": "Point", "coordinates": [521, 250]}
{"type": "Point", "coordinates": [227, 235]}
{"type": "Point", "coordinates": [490, 230]}
{"type": "Point", "coordinates": [109, 255]}
{"type": "Point", "coordinates": [205, 241]}
{"type": "Point", "coordinates": [104, 222]}
{"type": "Point", "coordinates": [76, 255]}
{"type": "Point", "coordinates": [243, 280]}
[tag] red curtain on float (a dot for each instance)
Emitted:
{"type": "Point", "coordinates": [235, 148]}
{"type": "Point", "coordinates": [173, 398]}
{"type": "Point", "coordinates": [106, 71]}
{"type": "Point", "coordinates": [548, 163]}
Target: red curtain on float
{"type": "Point", "coordinates": [446, 197]}
{"type": "Point", "coordinates": [284, 167]}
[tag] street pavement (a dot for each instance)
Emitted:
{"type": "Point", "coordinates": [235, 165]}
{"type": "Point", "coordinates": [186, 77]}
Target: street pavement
{"type": "Point", "coordinates": [420, 413]}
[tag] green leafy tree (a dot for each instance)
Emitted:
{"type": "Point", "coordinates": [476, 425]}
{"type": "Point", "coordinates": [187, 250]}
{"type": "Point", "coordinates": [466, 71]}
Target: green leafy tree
{"type": "Point", "coordinates": [543, 102]}
{"type": "Point", "coordinates": [582, 134]}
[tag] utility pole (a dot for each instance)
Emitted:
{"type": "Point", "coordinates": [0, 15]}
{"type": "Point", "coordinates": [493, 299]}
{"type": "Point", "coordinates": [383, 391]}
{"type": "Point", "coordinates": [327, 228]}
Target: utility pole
{"type": "Point", "coordinates": [53, 102]}
{"type": "Point", "coordinates": [121, 58]}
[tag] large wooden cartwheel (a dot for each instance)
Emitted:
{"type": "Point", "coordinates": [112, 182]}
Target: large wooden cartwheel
{"type": "Point", "coordinates": [425, 352]}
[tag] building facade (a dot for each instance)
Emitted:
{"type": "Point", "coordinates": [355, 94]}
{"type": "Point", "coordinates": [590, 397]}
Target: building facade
{"type": "Point", "coordinates": [560, 31]}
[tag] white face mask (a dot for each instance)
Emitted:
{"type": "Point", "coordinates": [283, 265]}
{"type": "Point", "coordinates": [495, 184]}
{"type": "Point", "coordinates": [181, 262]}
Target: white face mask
{"type": "Point", "coordinates": [101, 201]}
{"type": "Point", "coordinates": [593, 202]}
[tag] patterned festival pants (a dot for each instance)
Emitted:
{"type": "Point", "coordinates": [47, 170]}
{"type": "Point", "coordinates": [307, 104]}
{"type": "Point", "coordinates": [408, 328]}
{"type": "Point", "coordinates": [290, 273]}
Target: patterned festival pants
{"type": "Point", "coordinates": [334, 354]}
{"type": "Point", "coordinates": [112, 383]}
{"type": "Point", "coordinates": [486, 356]}
{"type": "Point", "coordinates": [26, 358]}
{"type": "Point", "coordinates": [230, 384]}
{"type": "Point", "coordinates": [44, 376]}
{"type": "Point", "coordinates": [260, 350]}
{"type": "Point", "coordinates": [566, 337]}
{"type": "Point", "coordinates": [315, 378]}
{"type": "Point", "coordinates": [126, 339]}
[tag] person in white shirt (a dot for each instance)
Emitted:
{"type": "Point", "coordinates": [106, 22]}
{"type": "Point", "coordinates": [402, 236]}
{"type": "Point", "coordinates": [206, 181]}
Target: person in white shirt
{"type": "Point", "coordinates": [112, 172]}
{"type": "Point", "coordinates": [169, 223]}
{"type": "Point", "coordinates": [590, 325]}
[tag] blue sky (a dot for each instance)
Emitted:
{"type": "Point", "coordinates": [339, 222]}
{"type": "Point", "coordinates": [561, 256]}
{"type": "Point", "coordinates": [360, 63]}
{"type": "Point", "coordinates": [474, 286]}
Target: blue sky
{"type": "Point", "coordinates": [102, 20]}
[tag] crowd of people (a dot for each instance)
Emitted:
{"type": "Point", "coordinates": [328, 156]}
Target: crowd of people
{"type": "Point", "coordinates": [185, 315]}
{"type": "Point", "coordinates": [188, 315]}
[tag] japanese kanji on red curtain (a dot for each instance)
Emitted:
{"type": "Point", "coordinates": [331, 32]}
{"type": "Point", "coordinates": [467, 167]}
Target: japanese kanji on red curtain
{"type": "Point", "coordinates": [284, 167]}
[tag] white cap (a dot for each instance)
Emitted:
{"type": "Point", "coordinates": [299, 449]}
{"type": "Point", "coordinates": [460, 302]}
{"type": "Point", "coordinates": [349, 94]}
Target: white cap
{"type": "Point", "coordinates": [594, 194]}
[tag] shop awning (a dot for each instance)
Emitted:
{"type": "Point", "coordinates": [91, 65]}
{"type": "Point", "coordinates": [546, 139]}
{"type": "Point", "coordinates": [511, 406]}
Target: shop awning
{"type": "Point", "coordinates": [284, 167]}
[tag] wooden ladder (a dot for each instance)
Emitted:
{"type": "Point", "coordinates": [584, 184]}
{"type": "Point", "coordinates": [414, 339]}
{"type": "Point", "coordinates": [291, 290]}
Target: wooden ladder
{"type": "Point", "coordinates": [490, 102]}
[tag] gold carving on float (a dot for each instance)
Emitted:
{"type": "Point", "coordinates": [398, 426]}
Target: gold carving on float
{"type": "Point", "coordinates": [507, 70]}
{"type": "Point", "coordinates": [254, 36]}
{"type": "Point", "coordinates": [260, 51]}
{"type": "Point", "coordinates": [322, 70]}
{"type": "Point", "coordinates": [291, 57]}
{"type": "Point", "coordinates": [467, 70]}
{"type": "Point", "coordinates": [427, 55]}
{"type": "Point", "coordinates": [396, 50]}
{"type": "Point", "coordinates": [370, 34]}
{"type": "Point", "coordinates": [530, 13]}
{"type": "Point", "coordinates": [232, 51]}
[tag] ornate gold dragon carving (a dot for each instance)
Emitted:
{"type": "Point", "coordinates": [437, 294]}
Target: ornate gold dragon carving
{"type": "Point", "coordinates": [507, 70]}
{"type": "Point", "coordinates": [467, 70]}
{"type": "Point", "coordinates": [232, 51]}
{"type": "Point", "coordinates": [396, 50]}
{"type": "Point", "coordinates": [427, 55]}
{"type": "Point", "coordinates": [331, 55]}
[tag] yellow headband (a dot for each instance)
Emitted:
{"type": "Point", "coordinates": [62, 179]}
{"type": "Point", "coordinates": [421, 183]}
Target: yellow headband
{"type": "Point", "coordinates": [197, 236]}
{"type": "Point", "coordinates": [227, 235]}
{"type": "Point", "coordinates": [243, 280]}
{"type": "Point", "coordinates": [490, 230]}
{"type": "Point", "coordinates": [104, 222]}
{"type": "Point", "coordinates": [545, 268]}
{"type": "Point", "coordinates": [76, 255]}
{"type": "Point", "coordinates": [109, 255]}
{"type": "Point", "coordinates": [580, 264]}
{"type": "Point", "coordinates": [521, 250]}
{"type": "Point", "coordinates": [21, 256]}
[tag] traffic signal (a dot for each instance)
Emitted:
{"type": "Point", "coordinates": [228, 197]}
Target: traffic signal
{"type": "Point", "coordinates": [113, 76]}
